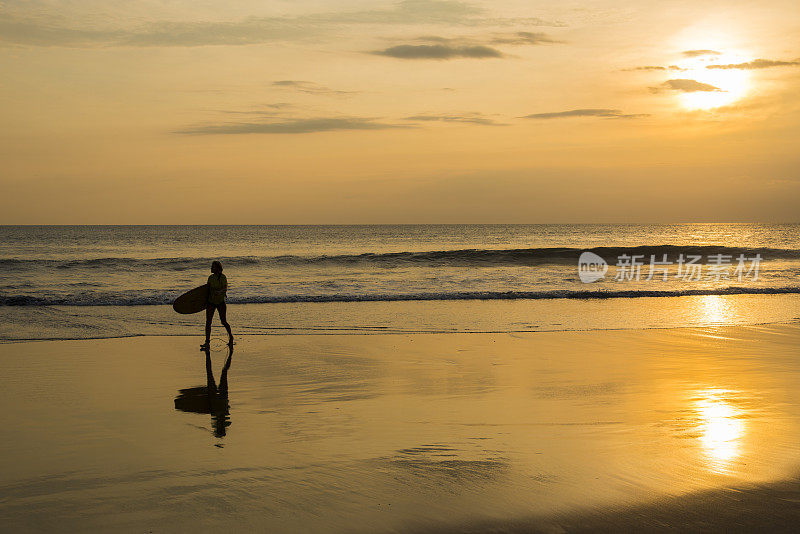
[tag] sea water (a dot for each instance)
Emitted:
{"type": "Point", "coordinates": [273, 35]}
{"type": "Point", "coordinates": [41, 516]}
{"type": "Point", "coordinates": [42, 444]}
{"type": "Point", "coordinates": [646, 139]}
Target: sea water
{"type": "Point", "coordinates": [61, 282]}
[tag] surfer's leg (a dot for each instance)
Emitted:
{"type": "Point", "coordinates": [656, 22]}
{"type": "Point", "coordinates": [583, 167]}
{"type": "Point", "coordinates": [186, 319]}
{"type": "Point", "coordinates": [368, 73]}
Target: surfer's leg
{"type": "Point", "coordinates": [223, 312]}
{"type": "Point", "coordinates": [209, 317]}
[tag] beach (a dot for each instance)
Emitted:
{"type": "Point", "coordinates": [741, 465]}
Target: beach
{"type": "Point", "coordinates": [671, 428]}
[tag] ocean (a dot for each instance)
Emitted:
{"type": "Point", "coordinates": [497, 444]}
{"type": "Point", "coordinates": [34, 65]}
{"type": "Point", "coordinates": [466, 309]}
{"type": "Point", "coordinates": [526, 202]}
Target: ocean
{"type": "Point", "coordinates": [65, 282]}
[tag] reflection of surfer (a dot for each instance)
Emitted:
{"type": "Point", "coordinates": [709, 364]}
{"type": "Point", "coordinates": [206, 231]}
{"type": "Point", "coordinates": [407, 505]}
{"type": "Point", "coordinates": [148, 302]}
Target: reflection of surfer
{"type": "Point", "coordinates": [217, 287]}
{"type": "Point", "coordinates": [210, 399]}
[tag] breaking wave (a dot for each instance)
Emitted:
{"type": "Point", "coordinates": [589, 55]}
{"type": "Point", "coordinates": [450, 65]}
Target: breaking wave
{"type": "Point", "coordinates": [467, 257]}
{"type": "Point", "coordinates": [137, 299]}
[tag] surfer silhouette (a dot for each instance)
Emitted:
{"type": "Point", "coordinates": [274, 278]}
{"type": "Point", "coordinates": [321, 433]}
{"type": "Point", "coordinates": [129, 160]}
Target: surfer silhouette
{"type": "Point", "coordinates": [209, 399]}
{"type": "Point", "coordinates": [217, 287]}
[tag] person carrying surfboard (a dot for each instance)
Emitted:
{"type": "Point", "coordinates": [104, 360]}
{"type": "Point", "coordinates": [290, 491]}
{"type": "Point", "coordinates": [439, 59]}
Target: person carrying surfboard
{"type": "Point", "coordinates": [217, 287]}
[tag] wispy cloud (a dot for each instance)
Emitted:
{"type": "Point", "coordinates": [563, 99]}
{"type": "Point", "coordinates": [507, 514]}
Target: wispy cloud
{"type": "Point", "coordinates": [39, 31]}
{"type": "Point", "coordinates": [471, 118]}
{"type": "Point", "coordinates": [757, 64]}
{"type": "Point", "coordinates": [653, 67]}
{"type": "Point", "coordinates": [291, 126]}
{"type": "Point", "coordinates": [524, 38]}
{"type": "Point", "coordinates": [310, 88]}
{"type": "Point", "coordinates": [257, 113]}
{"type": "Point", "coordinates": [684, 85]}
{"type": "Point", "coordinates": [591, 112]}
{"type": "Point", "coordinates": [271, 110]}
{"type": "Point", "coordinates": [437, 47]}
{"type": "Point", "coordinates": [36, 32]}
{"type": "Point", "coordinates": [698, 53]}
{"type": "Point", "coordinates": [439, 51]}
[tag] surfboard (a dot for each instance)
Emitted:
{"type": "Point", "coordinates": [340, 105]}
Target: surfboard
{"type": "Point", "coordinates": [192, 301]}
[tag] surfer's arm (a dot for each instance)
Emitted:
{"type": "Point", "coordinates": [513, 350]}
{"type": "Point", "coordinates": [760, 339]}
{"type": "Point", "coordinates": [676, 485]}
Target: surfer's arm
{"type": "Point", "coordinates": [218, 292]}
{"type": "Point", "coordinates": [224, 289]}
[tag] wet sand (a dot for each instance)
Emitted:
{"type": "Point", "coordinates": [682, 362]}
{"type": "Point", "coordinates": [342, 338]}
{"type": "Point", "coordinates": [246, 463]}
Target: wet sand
{"type": "Point", "coordinates": [680, 429]}
{"type": "Point", "coordinates": [753, 508]}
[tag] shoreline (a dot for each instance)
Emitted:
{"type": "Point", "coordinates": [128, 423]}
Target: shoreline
{"type": "Point", "coordinates": [788, 322]}
{"type": "Point", "coordinates": [493, 316]}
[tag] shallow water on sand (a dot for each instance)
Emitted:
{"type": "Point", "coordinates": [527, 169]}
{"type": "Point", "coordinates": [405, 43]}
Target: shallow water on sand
{"type": "Point", "coordinates": [388, 433]}
{"type": "Point", "coordinates": [27, 323]}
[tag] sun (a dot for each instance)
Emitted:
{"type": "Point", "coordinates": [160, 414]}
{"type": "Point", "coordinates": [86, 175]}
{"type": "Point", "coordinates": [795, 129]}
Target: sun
{"type": "Point", "coordinates": [732, 84]}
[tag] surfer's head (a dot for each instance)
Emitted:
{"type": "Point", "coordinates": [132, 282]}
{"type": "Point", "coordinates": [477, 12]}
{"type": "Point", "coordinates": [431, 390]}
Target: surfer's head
{"type": "Point", "coordinates": [216, 267]}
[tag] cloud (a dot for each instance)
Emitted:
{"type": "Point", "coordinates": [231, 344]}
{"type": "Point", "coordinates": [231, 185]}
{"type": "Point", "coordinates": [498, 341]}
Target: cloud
{"type": "Point", "coordinates": [273, 110]}
{"type": "Point", "coordinates": [258, 113]}
{"type": "Point", "coordinates": [472, 118]}
{"type": "Point", "coordinates": [524, 38]}
{"type": "Point", "coordinates": [291, 126]}
{"type": "Point", "coordinates": [592, 112]}
{"type": "Point", "coordinates": [654, 67]}
{"type": "Point", "coordinates": [439, 51]}
{"type": "Point", "coordinates": [14, 30]}
{"type": "Point", "coordinates": [698, 53]}
{"type": "Point", "coordinates": [436, 47]}
{"type": "Point", "coordinates": [310, 88]}
{"type": "Point", "coordinates": [686, 86]}
{"type": "Point", "coordinates": [757, 64]}
{"type": "Point", "coordinates": [51, 31]}
{"type": "Point", "coordinates": [279, 105]}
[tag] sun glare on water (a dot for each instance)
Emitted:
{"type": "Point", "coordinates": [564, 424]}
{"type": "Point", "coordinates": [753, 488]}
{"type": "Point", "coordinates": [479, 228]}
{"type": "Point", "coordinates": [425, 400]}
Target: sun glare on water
{"type": "Point", "coordinates": [731, 84]}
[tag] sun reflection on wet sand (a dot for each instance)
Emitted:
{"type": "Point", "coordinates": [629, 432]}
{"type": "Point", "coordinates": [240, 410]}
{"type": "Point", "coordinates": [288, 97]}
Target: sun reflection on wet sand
{"type": "Point", "coordinates": [722, 429]}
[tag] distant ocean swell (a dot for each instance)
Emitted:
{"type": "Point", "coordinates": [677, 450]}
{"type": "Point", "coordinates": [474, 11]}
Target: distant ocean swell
{"type": "Point", "coordinates": [140, 300]}
{"type": "Point", "coordinates": [467, 257]}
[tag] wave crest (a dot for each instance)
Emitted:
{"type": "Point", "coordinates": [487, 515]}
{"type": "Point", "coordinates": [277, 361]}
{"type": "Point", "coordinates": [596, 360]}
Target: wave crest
{"type": "Point", "coordinates": [464, 257]}
{"type": "Point", "coordinates": [139, 300]}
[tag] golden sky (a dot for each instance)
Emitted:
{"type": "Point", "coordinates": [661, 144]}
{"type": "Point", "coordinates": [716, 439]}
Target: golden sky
{"type": "Point", "coordinates": [417, 111]}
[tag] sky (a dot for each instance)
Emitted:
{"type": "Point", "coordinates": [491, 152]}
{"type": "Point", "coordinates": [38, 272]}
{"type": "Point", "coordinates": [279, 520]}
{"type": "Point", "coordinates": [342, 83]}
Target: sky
{"type": "Point", "coordinates": [411, 111]}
